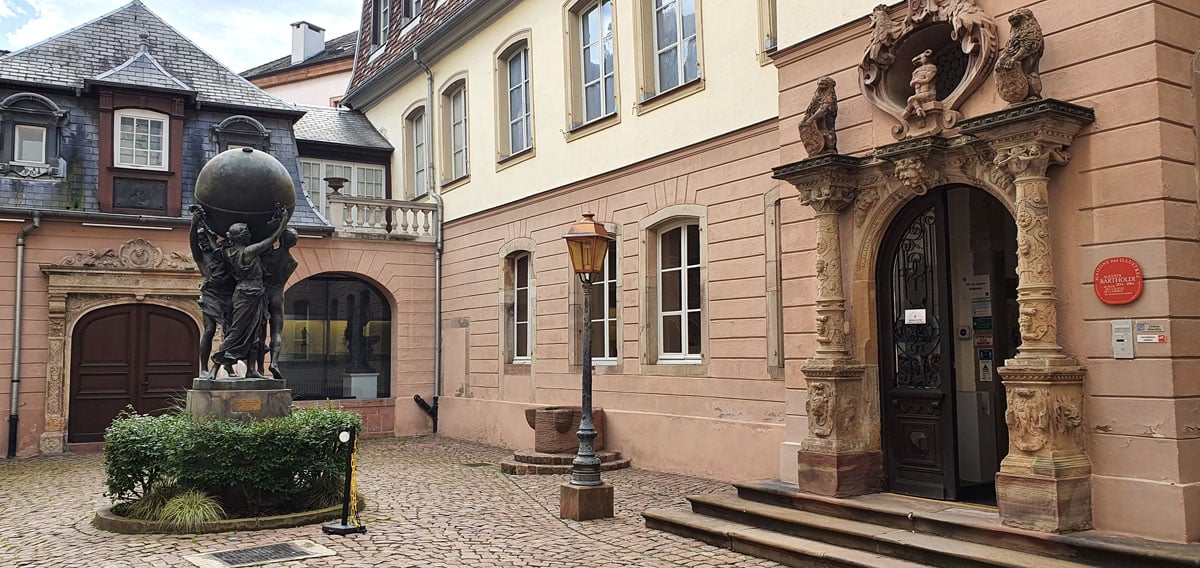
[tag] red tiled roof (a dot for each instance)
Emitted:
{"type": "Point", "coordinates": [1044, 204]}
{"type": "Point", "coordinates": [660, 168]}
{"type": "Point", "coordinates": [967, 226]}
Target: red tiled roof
{"type": "Point", "coordinates": [432, 16]}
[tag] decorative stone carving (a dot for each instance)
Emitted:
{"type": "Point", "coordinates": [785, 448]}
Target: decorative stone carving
{"type": "Point", "coordinates": [136, 254]}
{"type": "Point", "coordinates": [1017, 76]}
{"type": "Point", "coordinates": [818, 129]}
{"type": "Point", "coordinates": [925, 92]}
{"type": "Point", "coordinates": [820, 409]}
{"type": "Point", "coordinates": [912, 175]}
{"type": "Point", "coordinates": [1032, 158]}
{"type": "Point", "coordinates": [918, 32]}
{"type": "Point", "coordinates": [867, 198]}
{"type": "Point", "coordinates": [1027, 418]}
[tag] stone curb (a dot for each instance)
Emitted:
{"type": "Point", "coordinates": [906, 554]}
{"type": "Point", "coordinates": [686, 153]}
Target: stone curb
{"type": "Point", "coordinates": [106, 520]}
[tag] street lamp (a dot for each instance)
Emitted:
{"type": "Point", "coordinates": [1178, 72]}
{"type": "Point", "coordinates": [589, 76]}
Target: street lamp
{"type": "Point", "coordinates": [586, 497]}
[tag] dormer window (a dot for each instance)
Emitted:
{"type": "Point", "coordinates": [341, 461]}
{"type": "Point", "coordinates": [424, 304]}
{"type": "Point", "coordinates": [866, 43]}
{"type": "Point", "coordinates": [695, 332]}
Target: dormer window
{"type": "Point", "coordinates": [412, 9]}
{"type": "Point", "coordinates": [29, 125]}
{"type": "Point", "coordinates": [382, 18]}
{"type": "Point", "coordinates": [141, 140]}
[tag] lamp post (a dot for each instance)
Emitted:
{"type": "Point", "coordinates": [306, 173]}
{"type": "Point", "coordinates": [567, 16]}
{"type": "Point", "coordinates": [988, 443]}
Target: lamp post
{"type": "Point", "coordinates": [586, 496]}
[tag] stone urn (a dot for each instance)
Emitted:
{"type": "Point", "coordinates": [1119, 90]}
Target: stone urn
{"type": "Point", "coordinates": [554, 428]}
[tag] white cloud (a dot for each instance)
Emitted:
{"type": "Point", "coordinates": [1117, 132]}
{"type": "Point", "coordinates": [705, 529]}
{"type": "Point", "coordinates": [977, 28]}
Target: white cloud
{"type": "Point", "coordinates": [239, 33]}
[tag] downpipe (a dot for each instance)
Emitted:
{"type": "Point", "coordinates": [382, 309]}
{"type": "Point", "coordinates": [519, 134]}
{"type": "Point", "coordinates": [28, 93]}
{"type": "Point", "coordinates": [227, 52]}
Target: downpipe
{"type": "Point", "coordinates": [18, 298]}
{"type": "Point", "coordinates": [432, 191]}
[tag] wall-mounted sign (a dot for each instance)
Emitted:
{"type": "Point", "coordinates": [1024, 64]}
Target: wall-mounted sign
{"type": "Point", "coordinates": [1117, 280]}
{"type": "Point", "coordinates": [984, 340]}
{"type": "Point", "coordinates": [1152, 338]}
{"type": "Point", "coordinates": [985, 371]}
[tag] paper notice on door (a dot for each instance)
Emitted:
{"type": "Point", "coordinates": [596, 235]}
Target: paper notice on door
{"type": "Point", "coordinates": [980, 309]}
{"type": "Point", "coordinates": [914, 317]}
{"type": "Point", "coordinates": [978, 287]}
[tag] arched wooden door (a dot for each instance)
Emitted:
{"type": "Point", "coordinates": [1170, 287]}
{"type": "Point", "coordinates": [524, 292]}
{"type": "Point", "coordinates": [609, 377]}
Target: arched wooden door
{"type": "Point", "coordinates": [138, 355]}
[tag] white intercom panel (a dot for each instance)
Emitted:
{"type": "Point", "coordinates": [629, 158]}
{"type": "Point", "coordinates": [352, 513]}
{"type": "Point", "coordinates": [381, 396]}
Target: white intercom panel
{"type": "Point", "coordinates": [1122, 339]}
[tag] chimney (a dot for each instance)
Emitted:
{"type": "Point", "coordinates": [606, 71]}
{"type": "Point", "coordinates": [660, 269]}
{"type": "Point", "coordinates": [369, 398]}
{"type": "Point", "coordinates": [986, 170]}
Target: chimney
{"type": "Point", "coordinates": [307, 41]}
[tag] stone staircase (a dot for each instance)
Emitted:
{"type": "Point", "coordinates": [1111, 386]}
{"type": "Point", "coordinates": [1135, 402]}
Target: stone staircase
{"type": "Point", "coordinates": [771, 519]}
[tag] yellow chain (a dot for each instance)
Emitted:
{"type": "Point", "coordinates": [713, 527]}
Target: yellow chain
{"type": "Point", "coordinates": [354, 482]}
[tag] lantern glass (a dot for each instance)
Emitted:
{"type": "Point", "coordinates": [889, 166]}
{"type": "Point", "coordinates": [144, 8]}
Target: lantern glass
{"type": "Point", "coordinates": [587, 245]}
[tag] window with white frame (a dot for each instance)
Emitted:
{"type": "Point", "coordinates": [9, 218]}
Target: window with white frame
{"type": "Point", "coordinates": [520, 129]}
{"type": "Point", "coordinates": [597, 74]}
{"type": "Point", "coordinates": [604, 311]}
{"type": "Point", "coordinates": [30, 145]}
{"type": "Point", "coordinates": [363, 180]}
{"type": "Point", "coordinates": [676, 60]}
{"type": "Point", "coordinates": [520, 331]}
{"type": "Point", "coordinates": [456, 103]}
{"type": "Point", "coordinates": [141, 139]}
{"type": "Point", "coordinates": [680, 330]}
{"type": "Point", "coordinates": [416, 162]}
{"type": "Point", "coordinates": [382, 10]}
{"type": "Point", "coordinates": [412, 9]}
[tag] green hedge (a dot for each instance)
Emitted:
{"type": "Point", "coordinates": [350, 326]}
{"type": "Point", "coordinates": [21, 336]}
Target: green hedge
{"type": "Point", "coordinates": [274, 466]}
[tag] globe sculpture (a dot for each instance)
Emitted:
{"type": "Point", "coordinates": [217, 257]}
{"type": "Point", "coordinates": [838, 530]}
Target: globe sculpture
{"type": "Point", "coordinates": [242, 247]}
{"type": "Point", "coordinates": [244, 185]}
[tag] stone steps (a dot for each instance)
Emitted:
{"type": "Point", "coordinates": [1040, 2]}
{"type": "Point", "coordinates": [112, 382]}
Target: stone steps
{"type": "Point", "coordinates": [529, 462]}
{"type": "Point", "coordinates": [772, 520]}
{"type": "Point", "coordinates": [784, 549]}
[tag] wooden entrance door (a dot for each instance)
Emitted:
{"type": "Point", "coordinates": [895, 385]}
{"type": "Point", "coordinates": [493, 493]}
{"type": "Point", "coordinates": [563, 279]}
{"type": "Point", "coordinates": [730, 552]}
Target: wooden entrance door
{"type": "Point", "coordinates": [137, 355]}
{"type": "Point", "coordinates": [916, 369]}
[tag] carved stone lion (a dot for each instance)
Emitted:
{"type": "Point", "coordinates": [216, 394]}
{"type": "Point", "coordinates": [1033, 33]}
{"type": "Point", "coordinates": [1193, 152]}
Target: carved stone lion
{"type": "Point", "coordinates": [818, 128]}
{"type": "Point", "coordinates": [1017, 76]}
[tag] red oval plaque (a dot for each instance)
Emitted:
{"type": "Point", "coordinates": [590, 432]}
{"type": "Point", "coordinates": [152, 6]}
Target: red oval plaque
{"type": "Point", "coordinates": [1117, 280]}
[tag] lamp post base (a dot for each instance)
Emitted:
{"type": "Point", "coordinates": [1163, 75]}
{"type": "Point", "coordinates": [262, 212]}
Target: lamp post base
{"type": "Point", "coordinates": [584, 503]}
{"type": "Point", "coordinates": [342, 529]}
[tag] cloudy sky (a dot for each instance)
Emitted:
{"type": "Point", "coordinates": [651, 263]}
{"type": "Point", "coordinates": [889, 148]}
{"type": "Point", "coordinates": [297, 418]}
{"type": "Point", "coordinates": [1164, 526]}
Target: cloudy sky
{"type": "Point", "coordinates": [239, 33]}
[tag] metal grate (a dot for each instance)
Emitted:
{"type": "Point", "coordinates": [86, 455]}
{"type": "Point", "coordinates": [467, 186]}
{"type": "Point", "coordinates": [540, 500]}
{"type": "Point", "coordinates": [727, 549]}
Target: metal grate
{"type": "Point", "coordinates": [239, 558]}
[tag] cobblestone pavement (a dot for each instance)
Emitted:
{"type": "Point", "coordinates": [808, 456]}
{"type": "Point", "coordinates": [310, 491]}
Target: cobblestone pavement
{"type": "Point", "coordinates": [433, 502]}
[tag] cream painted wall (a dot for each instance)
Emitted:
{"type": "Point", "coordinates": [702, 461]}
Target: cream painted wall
{"type": "Point", "coordinates": [801, 20]}
{"type": "Point", "coordinates": [316, 92]}
{"type": "Point", "coordinates": [738, 91]}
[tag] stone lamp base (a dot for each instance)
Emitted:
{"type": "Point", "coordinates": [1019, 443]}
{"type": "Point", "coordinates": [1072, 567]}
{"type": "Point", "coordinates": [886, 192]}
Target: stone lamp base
{"type": "Point", "coordinates": [580, 503]}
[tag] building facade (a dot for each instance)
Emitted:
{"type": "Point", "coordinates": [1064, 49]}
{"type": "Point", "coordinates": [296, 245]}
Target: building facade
{"type": "Point", "coordinates": [101, 154]}
{"type": "Point", "coordinates": [926, 309]}
{"type": "Point", "coordinates": [315, 73]}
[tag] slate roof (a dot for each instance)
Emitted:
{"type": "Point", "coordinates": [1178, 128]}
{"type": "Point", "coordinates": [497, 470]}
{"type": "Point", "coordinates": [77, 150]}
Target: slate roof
{"type": "Point", "coordinates": [341, 47]}
{"type": "Point", "coordinates": [338, 126]}
{"type": "Point", "coordinates": [142, 71]}
{"type": "Point", "coordinates": [112, 39]}
{"type": "Point", "coordinates": [399, 41]}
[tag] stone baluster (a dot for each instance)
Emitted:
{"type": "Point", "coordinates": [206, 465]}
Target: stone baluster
{"type": "Point", "coordinates": [1045, 480]}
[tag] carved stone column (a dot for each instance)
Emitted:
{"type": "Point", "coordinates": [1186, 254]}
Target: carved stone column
{"type": "Point", "coordinates": [1045, 480]}
{"type": "Point", "coordinates": [833, 459]}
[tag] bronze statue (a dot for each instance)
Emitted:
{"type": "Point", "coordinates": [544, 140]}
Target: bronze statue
{"type": "Point", "coordinates": [278, 265]}
{"type": "Point", "coordinates": [244, 199]}
{"type": "Point", "coordinates": [216, 288]}
{"type": "Point", "coordinates": [246, 336]}
{"type": "Point", "coordinates": [1017, 76]}
{"type": "Point", "coordinates": [818, 128]}
{"type": "Point", "coordinates": [925, 92]}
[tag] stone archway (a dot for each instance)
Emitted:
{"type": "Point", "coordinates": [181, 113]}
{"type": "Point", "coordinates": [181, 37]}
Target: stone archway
{"type": "Point", "coordinates": [1044, 482]}
{"type": "Point", "coordinates": [136, 272]}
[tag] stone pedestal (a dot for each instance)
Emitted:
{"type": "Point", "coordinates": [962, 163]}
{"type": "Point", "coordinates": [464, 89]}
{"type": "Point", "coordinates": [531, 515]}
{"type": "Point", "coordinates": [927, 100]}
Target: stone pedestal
{"type": "Point", "coordinates": [581, 503]}
{"type": "Point", "coordinates": [840, 474]}
{"type": "Point", "coordinates": [360, 385]}
{"type": "Point", "coordinates": [239, 399]}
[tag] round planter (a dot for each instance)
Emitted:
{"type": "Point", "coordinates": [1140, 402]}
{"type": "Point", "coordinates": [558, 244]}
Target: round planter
{"type": "Point", "coordinates": [106, 520]}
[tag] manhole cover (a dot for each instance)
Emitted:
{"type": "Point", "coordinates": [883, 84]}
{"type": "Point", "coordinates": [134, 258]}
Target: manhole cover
{"type": "Point", "coordinates": [237, 558]}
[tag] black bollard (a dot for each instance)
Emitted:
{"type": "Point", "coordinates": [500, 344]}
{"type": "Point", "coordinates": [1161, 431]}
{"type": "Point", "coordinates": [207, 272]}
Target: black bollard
{"type": "Point", "coordinates": [345, 528]}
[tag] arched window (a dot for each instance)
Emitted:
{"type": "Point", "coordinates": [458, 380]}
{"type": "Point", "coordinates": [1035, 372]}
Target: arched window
{"type": "Point", "coordinates": [337, 338]}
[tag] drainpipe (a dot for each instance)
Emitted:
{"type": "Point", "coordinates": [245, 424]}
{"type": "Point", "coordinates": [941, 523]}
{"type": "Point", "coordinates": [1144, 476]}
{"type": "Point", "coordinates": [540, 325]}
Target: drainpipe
{"type": "Point", "coordinates": [432, 191]}
{"type": "Point", "coordinates": [15, 383]}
